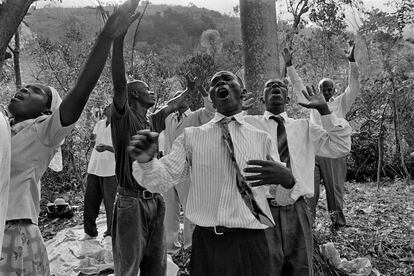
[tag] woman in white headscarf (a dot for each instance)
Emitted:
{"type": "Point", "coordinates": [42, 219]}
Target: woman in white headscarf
{"type": "Point", "coordinates": [38, 127]}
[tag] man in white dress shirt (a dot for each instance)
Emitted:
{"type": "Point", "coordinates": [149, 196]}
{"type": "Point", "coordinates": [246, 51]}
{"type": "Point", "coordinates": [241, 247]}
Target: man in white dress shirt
{"type": "Point", "coordinates": [298, 142]}
{"type": "Point", "coordinates": [330, 169]}
{"type": "Point", "coordinates": [175, 124]}
{"type": "Point", "coordinates": [230, 236]}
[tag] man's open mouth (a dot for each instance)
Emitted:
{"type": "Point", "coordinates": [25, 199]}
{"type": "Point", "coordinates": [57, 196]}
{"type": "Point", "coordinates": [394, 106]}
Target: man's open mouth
{"type": "Point", "coordinates": [222, 93]}
{"type": "Point", "coordinates": [18, 96]}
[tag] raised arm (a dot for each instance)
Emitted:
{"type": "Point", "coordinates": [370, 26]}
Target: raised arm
{"type": "Point", "coordinates": [347, 99]}
{"type": "Point", "coordinates": [157, 119]}
{"type": "Point", "coordinates": [293, 76]}
{"type": "Point", "coordinates": [332, 137]}
{"type": "Point", "coordinates": [74, 102]}
{"type": "Point", "coordinates": [118, 74]}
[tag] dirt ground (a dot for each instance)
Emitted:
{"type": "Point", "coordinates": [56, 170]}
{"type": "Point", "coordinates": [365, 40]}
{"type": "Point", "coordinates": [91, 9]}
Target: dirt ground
{"type": "Point", "coordinates": [380, 226]}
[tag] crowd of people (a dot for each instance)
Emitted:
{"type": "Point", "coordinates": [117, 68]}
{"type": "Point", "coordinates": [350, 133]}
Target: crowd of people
{"type": "Point", "coordinates": [248, 185]}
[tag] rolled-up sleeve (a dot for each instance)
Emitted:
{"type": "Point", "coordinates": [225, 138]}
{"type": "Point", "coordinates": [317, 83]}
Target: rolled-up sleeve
{"type": "Point", "coordinates": [50, 130]}
{"type": "Point", "coordinates": [347, 99]}
{"type": "Point", "coordinates": [297, 84]}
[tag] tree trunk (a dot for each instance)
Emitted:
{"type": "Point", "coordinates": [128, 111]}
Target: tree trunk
{"type": "Point", "coordinates": [398, 150]}
{"type": "Point", "coordinates": [16, 59]}
{"type": "Point", "coordinates": [382, 130]}
{"type": "Point", "coordinates": [260, 51]}
{"type": "Point", "coordinates": [11, 14]}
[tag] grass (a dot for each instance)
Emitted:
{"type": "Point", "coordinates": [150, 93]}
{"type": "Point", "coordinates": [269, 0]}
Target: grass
{"type": "Point", "coordinates": [380, 226]}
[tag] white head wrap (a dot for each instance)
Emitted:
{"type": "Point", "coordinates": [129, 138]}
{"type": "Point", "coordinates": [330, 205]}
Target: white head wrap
{"type": "Point", "coordinates": [56, 99]}
{"type": "Point", "coordinates": [56, 163]}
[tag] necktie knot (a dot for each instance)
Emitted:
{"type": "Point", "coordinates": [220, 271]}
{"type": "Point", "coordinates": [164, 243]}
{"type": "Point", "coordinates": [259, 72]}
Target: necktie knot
{"type": "Point", "coordinates": [226, 120]}
{"type": "Point", "coordinates": [279, 119]}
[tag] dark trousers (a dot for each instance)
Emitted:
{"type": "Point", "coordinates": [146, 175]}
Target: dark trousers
{"type": "Point", "coordinates": [241, 253]}
{"type": "Point", "coordinates": [138, 239]}
{"type": "Point", "coordinates": [333, 173]}
{"type": "Point", "coordinates": [97, 189]}
{"type": "Point", "coordinates": [293, 251]}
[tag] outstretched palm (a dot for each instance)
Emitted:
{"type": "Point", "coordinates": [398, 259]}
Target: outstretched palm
{"type": "Point", "coordinates": [316, 100]}
{"type": "Point", "coordinates": [119, 22]}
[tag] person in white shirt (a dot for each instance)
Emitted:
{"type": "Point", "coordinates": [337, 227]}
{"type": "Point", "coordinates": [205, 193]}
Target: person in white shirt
{"type": "Point", "coordinates": [4, 170]}
{"type": "Point", "coordinates": [230, 217]}
{"type": "Point", "coordinates": [38, 128]}
{"type": "Point", "coordinates": [175, 124]}
{"type": "Point", "coordinates": [328, 168]}
{"type": "Point", "coordinates": [101, 181]}
{"type": "Point", "coordinates": [298, 142]}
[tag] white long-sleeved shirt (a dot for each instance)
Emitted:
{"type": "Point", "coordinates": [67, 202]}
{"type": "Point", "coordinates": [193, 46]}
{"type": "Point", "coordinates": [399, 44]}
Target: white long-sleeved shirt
{"type": "Point", "coordinates": [341, 104]}
{"type": "Point", "coordinates": [305, 140]}
{"type": "Point", "coordinates": [213, 198]}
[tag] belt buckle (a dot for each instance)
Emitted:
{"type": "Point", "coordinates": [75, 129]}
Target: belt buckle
{"type": "Point", "coordinates": [273, 202]}
{"type": "Point", "coordinates": [147, 194]}
{"type": "Point", "coordinates": [216, 232]}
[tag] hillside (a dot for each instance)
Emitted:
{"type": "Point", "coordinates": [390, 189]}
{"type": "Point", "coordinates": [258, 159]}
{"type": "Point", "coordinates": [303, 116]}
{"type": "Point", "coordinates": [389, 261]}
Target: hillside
{"type": "Point", "coordinates": [162, 26]}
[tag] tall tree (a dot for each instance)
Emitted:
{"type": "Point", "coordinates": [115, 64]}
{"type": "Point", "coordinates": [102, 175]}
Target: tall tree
{"type": "Point", "coordinates": [260, 50]}
{"type": "Point", "coordinates": [11, 15]}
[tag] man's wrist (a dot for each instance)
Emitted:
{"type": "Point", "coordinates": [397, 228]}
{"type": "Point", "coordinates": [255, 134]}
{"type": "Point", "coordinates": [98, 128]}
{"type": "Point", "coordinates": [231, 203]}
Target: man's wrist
{"type": "Point", "coordinates": [324, 110]}
{"type": "Point", "coordinates": [290, 184]}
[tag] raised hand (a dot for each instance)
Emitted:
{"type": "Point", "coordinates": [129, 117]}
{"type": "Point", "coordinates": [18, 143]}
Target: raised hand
{"type": "Point", "coordinates": [102, 147]}
{"type": "Point", "coordinates": [287, 57]}
{"type": "Point", "coordinates": [178, 100]}
{"type": "Point", "coordinates": [269, 172]}
{"type": "Point", "coordinates": [316, 100]}
{"type": "Point", "coordinates": [248, 100]}
{"type": "Point", "coordinates": [143, 146]}
{"type": "Point", "coordinates": [350, 53]}
{"type": "Point", "coordinates": [190, 82]}
{"type": "Point", "coordinates": [119, 22]}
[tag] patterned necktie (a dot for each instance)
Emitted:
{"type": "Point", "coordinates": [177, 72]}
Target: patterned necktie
{"type": "Point", "coordinates": [282, 144]}
{"type": "Point", "coordinates": [244, 189]}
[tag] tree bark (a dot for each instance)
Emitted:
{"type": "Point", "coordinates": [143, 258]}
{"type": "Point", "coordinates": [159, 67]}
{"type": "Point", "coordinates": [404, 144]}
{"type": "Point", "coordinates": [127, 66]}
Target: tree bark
{"type": "Point", "coordinates": [11, 14]}
{"type": "Point", "coordinates": [16, 59]}
{"type": "Point", "coordinates": [260, 50]}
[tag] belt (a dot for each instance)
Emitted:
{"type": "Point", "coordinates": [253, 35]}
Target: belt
{"type": "Point", "coordinates": [19, 221]}
{"type": "Point", "coordinates": [144, 194]}
{"type": "Point", "coordinates": [220, 230]}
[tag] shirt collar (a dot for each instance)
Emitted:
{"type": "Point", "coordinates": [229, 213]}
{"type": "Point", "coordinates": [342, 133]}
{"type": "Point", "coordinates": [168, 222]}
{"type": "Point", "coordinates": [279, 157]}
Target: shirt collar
{"type": "Point", "coordinates": [184, 114]}
{"type": "Point", "coordinates": [238, 117]}
{"type": "Point", "coordinates": [268, 114]}
{"type": "Point", "coordinates": [187, 112]}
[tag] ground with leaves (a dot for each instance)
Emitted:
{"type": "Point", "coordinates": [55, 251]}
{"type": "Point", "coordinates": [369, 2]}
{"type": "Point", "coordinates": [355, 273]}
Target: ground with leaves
{"type": "Point", "coordinates": [380, 226]}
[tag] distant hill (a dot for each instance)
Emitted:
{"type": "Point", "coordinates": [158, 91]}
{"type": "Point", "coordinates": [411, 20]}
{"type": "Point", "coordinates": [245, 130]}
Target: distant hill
{"type": "Point", "coordinates": [162, 25]}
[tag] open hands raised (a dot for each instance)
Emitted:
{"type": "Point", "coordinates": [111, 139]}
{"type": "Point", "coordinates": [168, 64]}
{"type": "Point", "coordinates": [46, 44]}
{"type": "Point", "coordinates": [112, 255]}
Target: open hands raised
{"type": "Point", "coordinates": [287, 57]}
{"type": "Point", "coordinates": [269, 172]}
{"type": "Point", "coordinates": [143, 146]}
{"type": "Point", "coordinates": [247, 101]}
{"type": "Point", "coordinates": [316, 100]}
{"type": "Point", "coordinates": [119, 21]}
{"type": "Point", "coordinates": [350, 53]}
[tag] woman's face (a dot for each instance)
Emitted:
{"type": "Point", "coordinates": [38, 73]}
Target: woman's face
{"type": "Point", "coordinates": [29, 102]}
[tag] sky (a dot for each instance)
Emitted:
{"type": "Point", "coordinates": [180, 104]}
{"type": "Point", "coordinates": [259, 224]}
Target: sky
{"type": "Point", "coordinates": [223, 6]}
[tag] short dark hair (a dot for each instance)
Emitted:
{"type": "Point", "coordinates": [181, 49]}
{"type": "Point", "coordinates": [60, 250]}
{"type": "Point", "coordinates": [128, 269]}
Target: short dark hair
{"type": "Point", "coordinates": [130, 86]}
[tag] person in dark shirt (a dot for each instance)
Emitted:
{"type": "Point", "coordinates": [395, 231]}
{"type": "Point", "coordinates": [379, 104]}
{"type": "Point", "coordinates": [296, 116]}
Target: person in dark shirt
{"type": "Point", "coordinates": [137, 227]}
